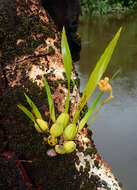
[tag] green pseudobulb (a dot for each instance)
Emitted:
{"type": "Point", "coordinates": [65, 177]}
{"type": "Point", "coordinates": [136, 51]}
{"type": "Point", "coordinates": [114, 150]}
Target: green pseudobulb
{"type": "Point", "coordinates": [56, 130]}
{"type": "Point", "coordinates": [60, 149]}
{"type": "Point", "coordinates": [69, 146]}
{"type": "Point", "coordinates": [41, 125]}
{"type": "Point", "coordinates": [70, 132]}
{"type": "Point", "coordinates": [63, 119]}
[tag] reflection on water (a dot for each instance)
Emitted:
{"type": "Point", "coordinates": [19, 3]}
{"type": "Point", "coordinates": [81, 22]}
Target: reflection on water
{"type": "Point", "coordinates": [115, 128]}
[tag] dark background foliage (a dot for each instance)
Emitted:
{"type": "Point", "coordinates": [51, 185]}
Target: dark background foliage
{"type": "Point", "coordinates": [97, 7]}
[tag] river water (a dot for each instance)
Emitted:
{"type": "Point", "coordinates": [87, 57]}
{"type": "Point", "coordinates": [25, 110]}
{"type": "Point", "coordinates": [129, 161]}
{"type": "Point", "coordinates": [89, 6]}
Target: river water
{"type": "Point", "coordinates": [115, 128]}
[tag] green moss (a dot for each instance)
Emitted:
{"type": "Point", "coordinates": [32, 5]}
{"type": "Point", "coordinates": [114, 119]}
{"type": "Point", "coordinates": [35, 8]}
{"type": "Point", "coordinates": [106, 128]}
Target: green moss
{"type": "Point", "coordinates": [84, 110]}
{"type": "Point", "coordinates": [62, 82]}
{"type": "Point", "coordinates": [13, 28]}
{"type": "Point", "coordinates": [90, 151]}
{"type": "Point", "coordinates": [90, 183]}
{"type": "Point", "coordinates": [87, 166]}
{"type": "Point", "coordinates": [77, 82]}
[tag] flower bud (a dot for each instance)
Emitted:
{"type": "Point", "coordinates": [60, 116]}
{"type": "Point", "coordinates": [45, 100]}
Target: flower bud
{"type": "Point", "coordinates": [60, 149]}
{"type": "Point", "coordinates": [52, 141]}
{"type": "Point", "coordinates": [56, 130]}
{"type": "Point", "coordinates": [63, 119]}
{"type": "Point", "coordinates": [69, 146]}
{"type": "Point", "coordinates": [70, 132]}
{"type": "Point", "coordinates": [41, 125]}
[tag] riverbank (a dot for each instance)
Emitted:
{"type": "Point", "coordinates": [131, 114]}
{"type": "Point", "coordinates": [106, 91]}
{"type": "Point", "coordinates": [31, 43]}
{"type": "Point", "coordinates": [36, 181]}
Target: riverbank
{"type": "Point", "coordinates": [102, 7]}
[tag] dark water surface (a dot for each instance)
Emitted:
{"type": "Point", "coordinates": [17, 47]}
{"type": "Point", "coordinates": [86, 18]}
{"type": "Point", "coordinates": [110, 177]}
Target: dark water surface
{"type": "Point", "coordinates": [115, 128]}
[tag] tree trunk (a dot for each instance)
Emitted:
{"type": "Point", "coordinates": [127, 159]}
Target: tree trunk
{"type": "Point", "coordinates": [30, 48]}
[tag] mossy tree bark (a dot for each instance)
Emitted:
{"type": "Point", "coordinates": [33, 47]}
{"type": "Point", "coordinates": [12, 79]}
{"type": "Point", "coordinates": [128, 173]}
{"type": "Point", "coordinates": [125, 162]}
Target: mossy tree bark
{"type": "Point", "coordinates": [29, 48]}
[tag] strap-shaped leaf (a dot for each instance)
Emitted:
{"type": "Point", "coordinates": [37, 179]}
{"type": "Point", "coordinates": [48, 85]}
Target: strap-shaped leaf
{"type": "Point", "coordinates": [84, 120]}
{"type": "Point", "coordinates": [97, 74]}
{"type": "Point", "coordinates": [50, 100]}
{"type": "Point", "coordinates": [67, 60]}
{"type": "Point", "coordinates": [27, 112]}
{"type": "Point", "coordinates": [66, 55]}
{"type": "Point", "coordinates": [34, 107]}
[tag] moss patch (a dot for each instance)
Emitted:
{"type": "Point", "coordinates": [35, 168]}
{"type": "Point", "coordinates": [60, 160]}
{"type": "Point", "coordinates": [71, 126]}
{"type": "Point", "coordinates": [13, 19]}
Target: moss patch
{"type": "Point", "coordinates": [13, 28]}
{"type": "Point", "coordinates": [90, 151]}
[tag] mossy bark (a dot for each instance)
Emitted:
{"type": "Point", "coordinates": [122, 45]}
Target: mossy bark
{"type": "Point", "coordinates": [30, 47]}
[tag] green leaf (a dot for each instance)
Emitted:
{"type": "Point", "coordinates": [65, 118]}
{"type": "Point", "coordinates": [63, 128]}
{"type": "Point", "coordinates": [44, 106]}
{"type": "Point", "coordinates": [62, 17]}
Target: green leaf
{"type": "Point", "coordinates": [97, 74]}
{"type": "Point", "coordinates": [115, 74]}
{"type": "Point", "coordinates": [67, 102]}
{"type": "Point", "coordinates": [34, 107]}
{"type": "Point", "coordinates": [50, 100]}
{"type": "Point", "coordinates": [84, 120]}
{"type": "Point", "coordinates": [66, 55]}
{"type": "Point", "coordinates": [67, 60]}
{"type": "Point", "coordinates": [27, 112]}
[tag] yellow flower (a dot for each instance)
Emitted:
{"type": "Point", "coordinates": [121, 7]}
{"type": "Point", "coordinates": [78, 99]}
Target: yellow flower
{"type": "Point", "coordinates": [104, 85]}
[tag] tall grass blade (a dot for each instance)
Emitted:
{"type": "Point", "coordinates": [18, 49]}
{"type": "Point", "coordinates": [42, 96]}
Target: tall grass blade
{"type": "Point", "coordinates": [67, 60]}
{"type": "Point", "coordinates": [84, 120]}
{"type": "Point", "coordinates": [50, 100]}
{"type": "Point", "coordinates": [27, 112]}
{"type": "Point", "coordinates": [97, 74]}
{"type": "Point", "coordinates": [34, 107]}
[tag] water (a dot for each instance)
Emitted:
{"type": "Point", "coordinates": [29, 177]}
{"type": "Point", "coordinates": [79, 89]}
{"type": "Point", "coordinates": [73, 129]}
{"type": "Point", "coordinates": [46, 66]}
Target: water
{"type": "Point", "coordinates": [115, 128]}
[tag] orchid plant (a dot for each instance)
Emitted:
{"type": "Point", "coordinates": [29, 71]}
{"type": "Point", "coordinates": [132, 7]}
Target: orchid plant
{"type": "Point", "coordinates": [63, 131]}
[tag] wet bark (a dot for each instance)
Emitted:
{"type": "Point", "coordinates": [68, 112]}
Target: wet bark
{"type": "Point", "coordinates": [29, 48]}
